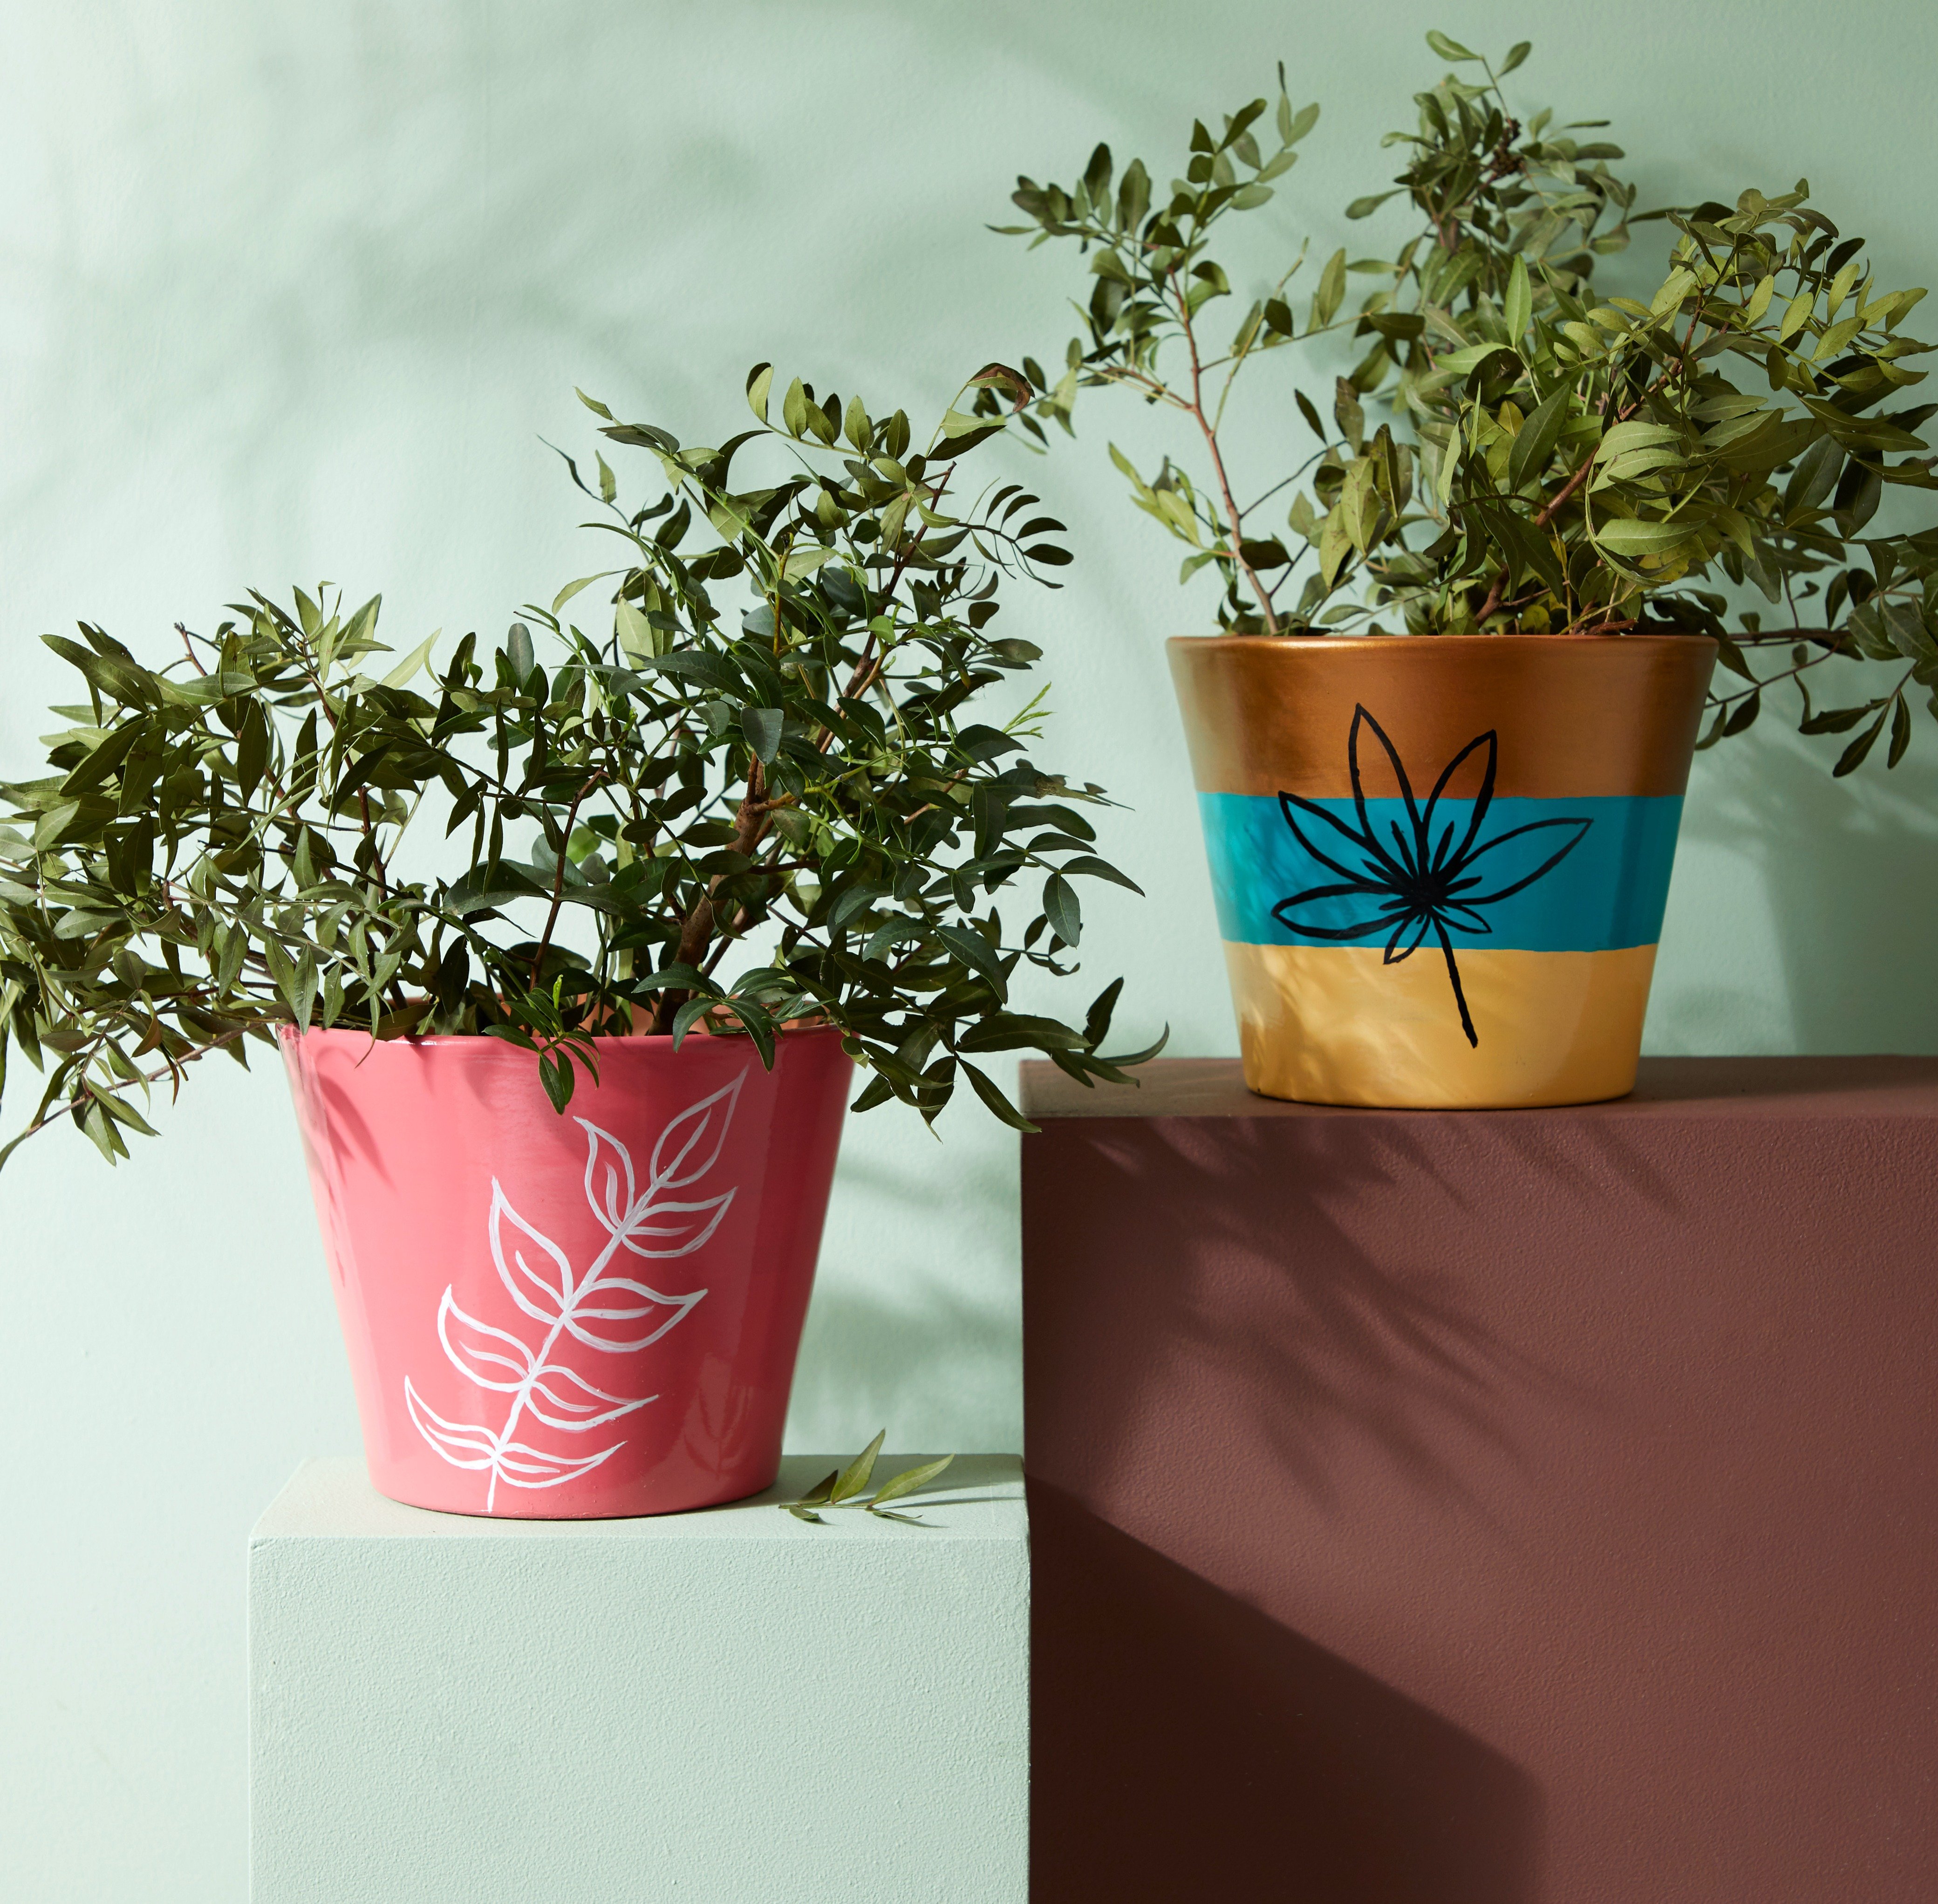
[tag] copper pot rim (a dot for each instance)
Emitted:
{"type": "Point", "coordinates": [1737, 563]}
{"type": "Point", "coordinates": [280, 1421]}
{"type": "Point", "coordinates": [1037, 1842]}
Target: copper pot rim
{"type": "Point", "coordinates": [1491, 643]}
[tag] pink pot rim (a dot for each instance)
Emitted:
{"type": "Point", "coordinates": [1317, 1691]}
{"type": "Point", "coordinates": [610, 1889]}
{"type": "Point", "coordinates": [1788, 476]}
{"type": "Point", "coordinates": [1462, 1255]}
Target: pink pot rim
{"type": "Point", "coordinates": [605, 1041]}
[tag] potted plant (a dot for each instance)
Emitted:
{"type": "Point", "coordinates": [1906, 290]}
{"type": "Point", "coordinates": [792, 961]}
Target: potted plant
{"type": "Point", "coordinates": [764, 749]}
{"type": "Point", "coordinates": [1442, 740]}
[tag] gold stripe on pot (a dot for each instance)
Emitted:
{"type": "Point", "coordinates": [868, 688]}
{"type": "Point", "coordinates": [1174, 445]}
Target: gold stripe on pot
{"type": "Point", "coordinates": [1335, 1024]}
{"type": "Point", "coordinates": [1575, 714]}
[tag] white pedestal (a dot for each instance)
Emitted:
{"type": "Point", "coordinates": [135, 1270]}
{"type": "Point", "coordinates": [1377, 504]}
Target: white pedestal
{"type": "Point", "coordinates": [723, 1707]}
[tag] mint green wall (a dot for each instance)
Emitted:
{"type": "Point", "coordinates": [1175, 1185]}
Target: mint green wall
{"type": "Point", "coordinates": [292, 292]}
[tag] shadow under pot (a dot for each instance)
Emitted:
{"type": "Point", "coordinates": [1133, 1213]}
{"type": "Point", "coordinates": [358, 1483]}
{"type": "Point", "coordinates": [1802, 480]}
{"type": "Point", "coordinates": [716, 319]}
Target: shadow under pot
{"type": "Point", "coordinates": [575, 1317]}
{"type": "Point", "coordinates": [1440, 862]}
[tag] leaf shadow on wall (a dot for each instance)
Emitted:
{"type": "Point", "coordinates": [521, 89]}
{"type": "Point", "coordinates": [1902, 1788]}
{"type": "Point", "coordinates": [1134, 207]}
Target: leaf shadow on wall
{"type": "Point", "coordinates": [245, 305]}
{"type": "Point", "coordinates": [1849, 870]}
{"type": "Point", "coordinates": [915, 1366]}
{"type": "Point", "coordinates": [1187, 1746]}
{"type": "Point", "coordinates": [913, 1325]}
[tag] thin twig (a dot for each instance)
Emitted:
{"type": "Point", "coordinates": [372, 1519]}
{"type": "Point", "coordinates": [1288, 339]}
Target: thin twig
{"type": "Point", "coordinates": [558, 876]}
{"type": "Point", "coordinates": [1196, 407]}
{"type": "Point", "coordinates": [88, 1092]}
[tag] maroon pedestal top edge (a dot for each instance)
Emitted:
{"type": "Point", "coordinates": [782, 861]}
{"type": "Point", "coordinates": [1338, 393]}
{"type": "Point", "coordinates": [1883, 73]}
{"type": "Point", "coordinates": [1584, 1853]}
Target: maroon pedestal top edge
{"type": "Point", "coordinates": [1735, 1087]}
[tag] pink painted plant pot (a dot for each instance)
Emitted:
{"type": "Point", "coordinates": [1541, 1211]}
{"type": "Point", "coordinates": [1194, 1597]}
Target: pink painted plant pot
{"type": "Point", "coordinates": [570, 1318]}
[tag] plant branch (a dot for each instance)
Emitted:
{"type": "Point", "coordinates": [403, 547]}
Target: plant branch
{"type": "Point", "coordinates": [1196, 409]}
{"type": "Point", "coordinates": [558, 877]}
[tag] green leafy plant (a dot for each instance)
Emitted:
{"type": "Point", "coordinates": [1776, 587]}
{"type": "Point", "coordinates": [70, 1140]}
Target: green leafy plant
{"type": "Point", "coordinates": [844, 1486]}
{"type": "Point", "coordinates": [764, 746]}
{"type": "Point", "coordinates": [1554, 461]}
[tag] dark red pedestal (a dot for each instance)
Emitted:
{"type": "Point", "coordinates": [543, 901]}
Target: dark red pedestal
{"type": "Point", "coordinates": [1487, 1508]}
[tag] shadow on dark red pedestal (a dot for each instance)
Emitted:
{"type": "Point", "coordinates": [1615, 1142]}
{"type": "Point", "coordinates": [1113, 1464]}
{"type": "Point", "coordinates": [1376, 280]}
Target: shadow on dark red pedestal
{"type": "Point", "coordinates": [1241, 1292]}
{"type": "Point", "coordinates": [1187, 1747]}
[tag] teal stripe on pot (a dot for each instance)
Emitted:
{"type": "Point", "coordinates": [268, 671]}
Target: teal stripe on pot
{"type": "Point", "coordinates": [1576, 875]}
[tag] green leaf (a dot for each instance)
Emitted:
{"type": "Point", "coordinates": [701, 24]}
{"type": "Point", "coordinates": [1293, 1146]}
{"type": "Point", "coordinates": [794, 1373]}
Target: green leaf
{"type": "Point", "coordinates": [1332, 289]}
{"type": "Point", "coordinates": [1468, 358]}
{"type": "Point", "coordinates": [1834, 720]}
{"type": "Point", "coordinates": [1535, 446]}
{"type": "Point", "coordinates": [1731, 656]}
{"type": "Point", "coordinates": [805, 561]}
{"type": "Point", "coordinates": [518, 652]}
{"type": "Point", "coordinates": [688, 1015]}
{"type": "Point", "coordinates": [1901, 732]}
{"type": "Point", "coordinates": [760, 381]}
{"type": "Point", "coordinates": [401, 675]}
{"type": "Point", "coordinates": [53, 823]}
{"type": "Point", "coordinates": [1335, 544]}
{"type": "Point", "coordinates": [908, 1480]}
{"type": "Point", "coordinates": [818, 1493]}
{"type": "Point", "coordinates": [1841, 284]}
{"type": "Point", "coordinates": [1674, 288]}
{"type": "Point", "coordinates": [1633, 541]}
{"type": "Point", "coordinates": [994, 1100]}
{"type": "Point", "coordinates": [1834, 339]}
{"type": "Point", "coordinates": [973, 950]}
{"type": "Point", "coordinates": [1626, 438]}
{"type": "Point", "coordinates": [962, 431]}
{"type": "Point", "coordinates": [1348, 414]}
{"type": "Point", "coordinates": [1358, 504]}
{"type": "Point", "coordinates": [637, 637]}
{"type": "Point", "coordinates": [1061, 908]}
{"type": "Point", "coordinates": [1853, 756]}
{"type": "Point", "coordinates": [570, 589]}
{"type": "Point", "coordinates": [854, 1478]}
{"type": "Point", "coordinates": [1448, 49]}
{"type": "Point", "coordinates": [762, 727]}
{"type": "Point", "coordinates": [793, 408]}
{"type": "Point", "coordinates": [1450, 464]}
{"type": "Point", "coordinates": [1088, 865]}
{"type": "Point", "coordinates": [1516, 54]}
{"type": "Point", "coordinates": [675, 977]}
{"type": "Point", "coordinates": [1520, 304]}
{"type": "Point", "coordinates": [857, 426]}
{"type": "Point", "coordinates": [712, 670]}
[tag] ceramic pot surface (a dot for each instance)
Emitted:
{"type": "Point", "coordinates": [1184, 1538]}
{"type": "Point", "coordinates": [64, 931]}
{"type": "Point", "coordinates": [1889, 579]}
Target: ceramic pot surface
{"type": "Point", "coordinates": [1440, 862]}
{"type": "Point", "coordinates": [574, 1317]}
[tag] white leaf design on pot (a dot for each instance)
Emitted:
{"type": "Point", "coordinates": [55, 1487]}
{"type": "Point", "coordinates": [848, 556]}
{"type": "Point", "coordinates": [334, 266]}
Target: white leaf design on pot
{"type": "Point", "coordinates": [458, 1442]}
{"type": "Point", "coordinates": [546, 1298]}
{"type": "Point", "coordinates": [690, 1146]}
{"type": "Point", "coordinates": [563, 1399]}
{"type": "Point", "coordinates": [599, 1311]}
{"type": "Point", "coordinates": [494, 1358]}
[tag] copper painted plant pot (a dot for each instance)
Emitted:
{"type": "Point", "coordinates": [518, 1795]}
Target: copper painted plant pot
{"type": "Point", "coordinates": [1440, 862]}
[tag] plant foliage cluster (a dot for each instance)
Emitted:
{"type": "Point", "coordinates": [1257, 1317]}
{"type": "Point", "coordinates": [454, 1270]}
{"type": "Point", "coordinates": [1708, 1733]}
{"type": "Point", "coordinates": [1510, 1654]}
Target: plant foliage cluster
{"type": "Point", "coordinates": [765, 748]}
{"type": "Point", "coordinates": [1554, 460]}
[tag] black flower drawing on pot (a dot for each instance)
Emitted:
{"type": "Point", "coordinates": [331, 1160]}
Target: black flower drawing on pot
{"type": "Point", "coordinates": [1420, 883]}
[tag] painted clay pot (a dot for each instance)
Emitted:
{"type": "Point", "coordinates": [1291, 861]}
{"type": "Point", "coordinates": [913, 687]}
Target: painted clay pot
{"type": "Point", "coordinates": [1440, 862]}
{"type": "Point", "coordinates": [574, 1317]}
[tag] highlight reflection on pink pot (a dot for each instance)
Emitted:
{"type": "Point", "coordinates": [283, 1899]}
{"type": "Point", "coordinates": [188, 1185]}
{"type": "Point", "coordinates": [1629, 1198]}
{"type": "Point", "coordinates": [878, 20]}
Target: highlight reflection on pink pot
{"type": "Point", "coordinates": [574, 1317]}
